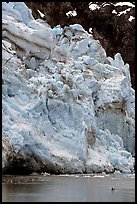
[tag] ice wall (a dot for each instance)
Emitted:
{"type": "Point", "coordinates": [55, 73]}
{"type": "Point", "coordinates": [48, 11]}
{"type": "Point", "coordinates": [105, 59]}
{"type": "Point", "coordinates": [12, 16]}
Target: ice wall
{"type": "Point", "coordinates": [66, 106]}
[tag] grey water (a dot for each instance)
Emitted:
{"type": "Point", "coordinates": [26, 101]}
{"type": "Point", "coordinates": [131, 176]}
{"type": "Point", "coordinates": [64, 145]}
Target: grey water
{"type": "Point", "coordinates": [71, 188]}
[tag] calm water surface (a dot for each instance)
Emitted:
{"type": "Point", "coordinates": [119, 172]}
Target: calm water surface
{"type": "Point", "coordinates": [69, 188]}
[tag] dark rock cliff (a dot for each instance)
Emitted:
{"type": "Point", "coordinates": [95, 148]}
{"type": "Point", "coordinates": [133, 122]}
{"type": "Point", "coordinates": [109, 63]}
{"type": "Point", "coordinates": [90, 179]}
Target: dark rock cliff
{"type": "Point", "coordinates": [109, 25]}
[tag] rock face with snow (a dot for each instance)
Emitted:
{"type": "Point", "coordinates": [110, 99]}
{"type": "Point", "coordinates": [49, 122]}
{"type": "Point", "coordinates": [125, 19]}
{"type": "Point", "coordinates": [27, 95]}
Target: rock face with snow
{"type": "Point", "coordinates": [67, 106]}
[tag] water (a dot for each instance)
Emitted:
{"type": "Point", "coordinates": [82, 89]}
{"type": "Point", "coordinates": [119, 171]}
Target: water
{"type": "Point", "coordinates": [69, 188]}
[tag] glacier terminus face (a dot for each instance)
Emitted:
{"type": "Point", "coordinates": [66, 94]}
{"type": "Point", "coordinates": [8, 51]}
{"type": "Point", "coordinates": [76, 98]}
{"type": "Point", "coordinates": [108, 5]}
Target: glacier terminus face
{"type": "Point", "coordinates": [67, 107]}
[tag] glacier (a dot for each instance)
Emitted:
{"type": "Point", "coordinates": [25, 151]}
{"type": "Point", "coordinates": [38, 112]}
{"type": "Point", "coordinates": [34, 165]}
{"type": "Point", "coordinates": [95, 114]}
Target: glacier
{"type": "Point", "coordinates": [67, 107]}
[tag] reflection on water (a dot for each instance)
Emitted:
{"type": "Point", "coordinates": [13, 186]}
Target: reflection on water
{"type": "Point", "coordinates": [72, 189]}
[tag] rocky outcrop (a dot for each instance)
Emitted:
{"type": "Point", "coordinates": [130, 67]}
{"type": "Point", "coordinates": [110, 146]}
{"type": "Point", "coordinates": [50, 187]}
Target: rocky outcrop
{"type": "Point", "coordinates": [112, 23]}
{"type": "Point", "coordinates": [67, 106]}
